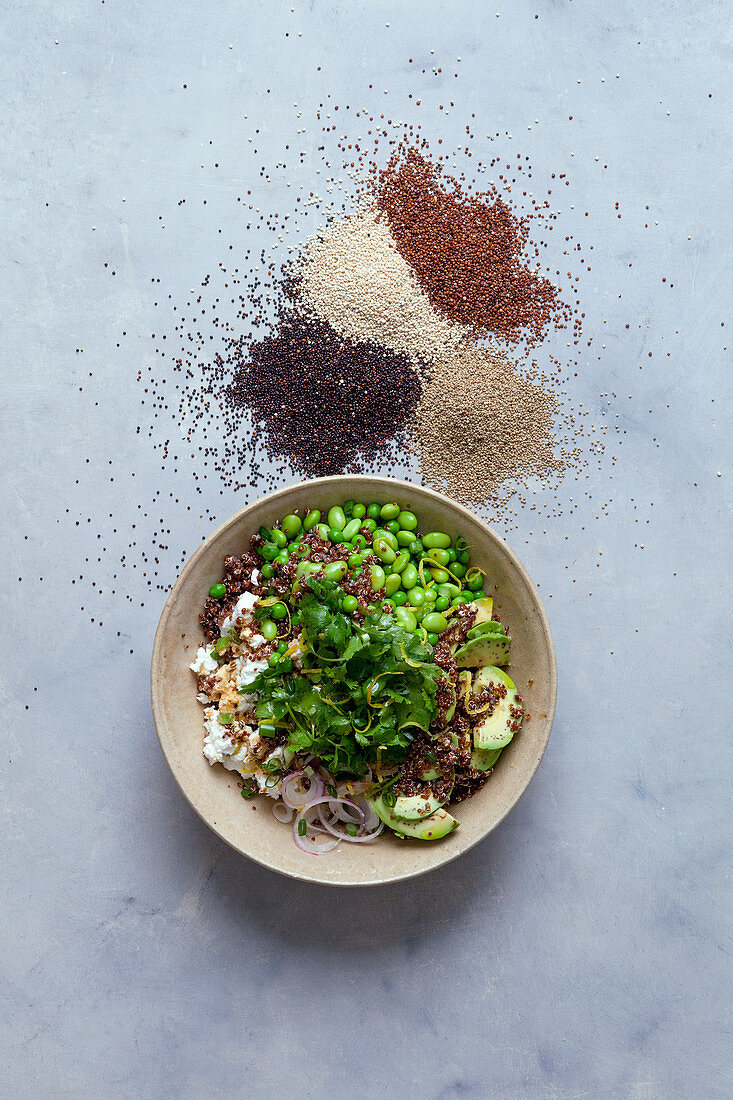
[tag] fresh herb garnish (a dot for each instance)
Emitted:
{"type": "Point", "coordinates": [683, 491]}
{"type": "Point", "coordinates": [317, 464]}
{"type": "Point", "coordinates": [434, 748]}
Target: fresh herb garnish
{"type": "Point", "coordinates": [381, 676]}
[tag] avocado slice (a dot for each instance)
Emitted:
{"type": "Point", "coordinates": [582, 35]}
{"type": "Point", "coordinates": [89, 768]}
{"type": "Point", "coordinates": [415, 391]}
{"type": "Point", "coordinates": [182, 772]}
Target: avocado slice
{"type": "Point", "coordinates": [488, 649]}
{"type": "Point", "coordinates": [413, 807]}
{"type": "Point", "coordinates": [492, 627]}
{"type": "Point", "coordinates": [495, 732]}
{"type": "Point", "coordinates": [484, 759]}
{"type": "Point", "coordinates": [485, 608]}
{"type": "Point", "coordinates": [434, 827]}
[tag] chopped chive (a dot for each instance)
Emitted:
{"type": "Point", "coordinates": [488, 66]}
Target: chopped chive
{"type": "Point", "coordinates": [352, 829]}
{"type": "Point", "coordinates": [389, 799]}
{"type": "Point", "coordinates": [302, 827]}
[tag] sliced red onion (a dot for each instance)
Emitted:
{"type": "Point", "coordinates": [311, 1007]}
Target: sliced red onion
{"type": "Point", "coordinates": [283, 813]}
{"type": "Point", "coordinates": [340, 808]}
{"type": "Point", "coordinates": [293, 792]}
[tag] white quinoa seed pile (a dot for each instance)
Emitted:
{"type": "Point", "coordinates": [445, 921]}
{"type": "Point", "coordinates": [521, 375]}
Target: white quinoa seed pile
{"type": "Point", "coordinates": [480, 424]}
{"type": "Point", "coordinates": [354, 278]}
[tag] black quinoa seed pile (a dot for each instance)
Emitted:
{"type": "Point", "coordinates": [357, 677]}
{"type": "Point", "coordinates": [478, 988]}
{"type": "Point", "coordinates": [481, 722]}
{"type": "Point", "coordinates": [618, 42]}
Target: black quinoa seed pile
{"type": "Point", "coordinates": [321, 399]}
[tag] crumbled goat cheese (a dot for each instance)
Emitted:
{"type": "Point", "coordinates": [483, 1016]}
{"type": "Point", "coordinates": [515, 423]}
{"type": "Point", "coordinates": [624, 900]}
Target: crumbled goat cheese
{"type": "Point", "coordinates": [204, 662]}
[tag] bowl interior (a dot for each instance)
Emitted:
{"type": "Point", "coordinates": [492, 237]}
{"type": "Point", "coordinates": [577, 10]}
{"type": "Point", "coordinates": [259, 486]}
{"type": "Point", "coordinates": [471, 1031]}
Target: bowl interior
{"type": "Point", "coordinates": [250, 826]}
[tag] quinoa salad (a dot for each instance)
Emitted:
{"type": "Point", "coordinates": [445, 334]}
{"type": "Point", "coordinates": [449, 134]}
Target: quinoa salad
{"type": "Point", "coordinates": [354, 673]}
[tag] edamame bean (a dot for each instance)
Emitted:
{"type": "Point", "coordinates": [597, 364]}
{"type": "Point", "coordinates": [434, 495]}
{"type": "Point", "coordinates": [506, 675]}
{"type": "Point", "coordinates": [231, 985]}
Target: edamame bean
{"type": "Point", "coordinates": [404, 538]}
{"type": "Point", "coordinates": [399, 598]}
{"type": "Point", "coordinates": [415, 548]}
{"type": "Point", "coordinates": [407, 521]}
{"type": "Point", "coordinates": [282, 556]}
{"type": "Point", "coordinates": [335, 535]}
{"type": "Point", "coordinates": [435, 623]}
{"type": "Point", "coordinates": [442, 603]}
{"type": "Point", "coordinates": [441, 556]}
{"type": "Point", "coordinates": [268, 630]}
{"type": "Point", "coordinates": [430, 595]}
{"type": "Point", "coordinates": [311, 519]}
{"type": "Point", "coordinates": [449, 590]}
{"type": "Point", "coordinates": [436, 540]}
{"type": "Point", "coordinates": [401, 562]}
{"type": "Point", "coordinates": [378, 577]}
{"type": "Point", "coordinates": [452, 556]}
{"type": "Point", "coordinates": [349, 604]}
{"type": "Point", "coordinates": [336, 518]}
{"type": "Point", "coordinates": [322, 531]}
{"type": "Point", "coordinates": [384, 551]}
{"type": "Point", "coordinates": [359, 543]}
{"type": "Point", "coordinates": [358, 511]}
{"type": "Point", "coordinates": [409, 576]}
{"type": "Point", "coordinates": [370, 524]}
{"type": "Point", "coordinates": [383, 533]}
{"type": "Point", "coordinates": [279, 537]}
{"type": "Point", "coordinates": [335, 570]}
{"type": "Point", "coordinates": [292, 525]}
{"type": "Point", "coordinates": [392, 583]}
{"type": "Point", "coordinates": [417, 597]}
{"type": "Point", "coordinates": [278, 611]}
{"type": "Point", "coordinates": [406, 619]}
{"type": "Point", "coordinates": [440, 576]}
{"type": "Point", "coordinates": [268, 551]}
{"type": "Point", "coordinates": [218, 591]}
{"type": "Point", "coordinates": [458, 569]}
{"type": "Point", "coordinates": [355, 561]}
{"type": "Point", "coordinates": [373, 511]}
{"type": "Point", "coordinates": [392, 526]}
{"type": "Point", "coordinates": [389, 511]}
{"type": "Point", "coordinates": [351, 529]}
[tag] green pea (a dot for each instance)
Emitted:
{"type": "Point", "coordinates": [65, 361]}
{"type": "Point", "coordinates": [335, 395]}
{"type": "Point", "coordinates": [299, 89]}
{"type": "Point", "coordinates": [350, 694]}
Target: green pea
{"type": "Point", "coordinates": [392, 526]}
{"type": "Point", "coordinates": [335, 535]}
{"type": "Point", "coordinates": [218, 591]}
{"type": "Point", "coordinates": [440, 576]}
{"type": "Point", "coordinates": [407, 521]}
{"type": "Point", "coordinates": [406, 619]}
{"type": "Point", "coordinates": [267, 571]}
{"type": "Point", "coordinates": [370, 524]}
{"type": "Point", "coordinates": [274, 659]}
{"type": "Point", "coordinates": [336, 518]}
{"type": "Point", "coordinates": [404, 538]}
{"type": "Point", "coordinates": [322, 531]}
{"type": "Point", "coordinates": [409, 576]}
{"type": "Point", "coordinates": [278, 611]}
{"type": "Point", "coordinates": [399, 598]}
{"type": "Point", "coordinates": [282, 556]}
{"type": "Point", "coordinates": [401, 562]}
{"type": "Point", "coordinates": [442, 603]}
{"type": "Point", "coordinates": [311, 519]}
{"type": "Point", "coordinates": [292, 525]}
{"type": "Point", "coordinates": [268, 630]}
{"type": "Point", "coordinates": [463, 557]}
{"type": "Point", "coordinates": [282, 646]}
{"type": "Point", "coordinates": [457, 601]}
{"type": "Point", "coordinates": [349, 604]}
{"type": "Point", "coordinates": [335, 570]}
{"type": "Point", "coordinates": [268, 551]}
{"type": "Point", "coordinates": [359, 543]}
{"type": "Point", "coordinates": [383, 533]}
{"type": "Point", "coordinates": [452, 556]}
{"type": "Point", "coordinates": [432, 638]}
{"type": "Point", "coordinates": [458, 569]}
{"type": "Point", "coordinates": [415, 548]}
{"type": "Point", "coordinates": [392, 583]}
{"type": "Point", "coordinates": [358, 511]}
{"type": "Point", "coordinates": [435, 622]}
{"type": "Point", "coordinates": [355, 561]}
{"type": "Point", "coordinates": [378, 577]}
{"type": "Point", "coordinates": [476, 583]}
{"type": "Point", "coordinates": [384, 551]}
{"type": "Point", "coordinates": [436, 540]}
{"type": "Point", "coordinates": [351, 529]}
{"type": "Point", "coordinates": [389, 511]}
{"type": "Point", "coordinates": [374, 511]}
{"type": "Point", "coordinates": [441, 556]}
{"type": "Point", "coordinates": [430, 595]}
{"type": "Point", "coordinates": [279, 537]}
{"type": "Point", "coordinates": [417, 596]}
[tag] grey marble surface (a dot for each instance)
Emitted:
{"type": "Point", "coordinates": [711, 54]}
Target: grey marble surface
{"type": "Point", "coordinates": [583, 949]}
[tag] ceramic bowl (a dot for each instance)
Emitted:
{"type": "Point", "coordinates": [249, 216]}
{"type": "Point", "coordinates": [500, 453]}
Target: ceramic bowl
{"type": "Point", "coordinates": [250, 827]}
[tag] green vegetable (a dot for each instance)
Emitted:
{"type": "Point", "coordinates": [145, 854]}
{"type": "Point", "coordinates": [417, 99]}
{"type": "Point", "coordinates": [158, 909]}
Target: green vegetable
{"type": "Point", "coordinates": [292, 525]}
{"type": "Point", "coordinates": [268, 630]}
{"type": "Point", "coordinates": [336, 518]}
{"type": "Point", "coordinates": [311, 520]}
{"type": "Point", "coordinates": [407, 521]}
{"type": "Point", "coordinates": [218, 591]}
{"type": "Point", "coordinates": [225, 718]}
{"type": "Point", "coordinates": [436, 540]}
{"type": "Point", "coordinates": [373, 511]}
{"type": "Point", "coordinates": [389, 511]}
{"type": "Point", "coordinates": [278, 611]}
